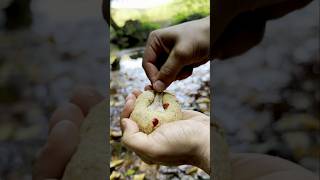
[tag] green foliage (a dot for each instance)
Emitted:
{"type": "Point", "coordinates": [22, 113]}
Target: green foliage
{"type": "Point", "coordinates": [136, 24]}
{"type": "Point", "coordinates": [133, 33]}
{"type": "Point", "coordinates": [190, 10]}
{"type": "Point", "coordinates": [165, 14]}
{"type": "Point", "coordinates": [182, 19]}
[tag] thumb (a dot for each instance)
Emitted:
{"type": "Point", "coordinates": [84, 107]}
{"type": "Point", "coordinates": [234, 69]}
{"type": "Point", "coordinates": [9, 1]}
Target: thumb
{"type": "Point", "coordinates": [168, 72]}
{"type": "Point", "coordinates": [129, 127]}
{"type": "Point", "coordinates": [132, 138]}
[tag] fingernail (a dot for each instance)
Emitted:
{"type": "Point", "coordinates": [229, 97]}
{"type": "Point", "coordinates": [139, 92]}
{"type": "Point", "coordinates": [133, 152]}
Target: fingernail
{"type": "Point", "coordinates": [159, 86]}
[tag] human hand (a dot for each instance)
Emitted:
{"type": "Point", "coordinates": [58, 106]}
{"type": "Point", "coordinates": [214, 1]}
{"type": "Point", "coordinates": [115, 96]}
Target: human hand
{"type": "Point", "coordinates": [181, 142]}
{"type": "Point", "coordinates": [239, 25]}
{"type": "Point", "coordinates": [172, 53]}
{"type": "Point", "coordinates": [63, 138]}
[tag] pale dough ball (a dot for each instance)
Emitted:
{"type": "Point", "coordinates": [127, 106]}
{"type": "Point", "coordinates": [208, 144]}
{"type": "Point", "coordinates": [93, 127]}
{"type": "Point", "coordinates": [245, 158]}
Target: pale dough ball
{"type": "Point", "coordinates": [153, 109]}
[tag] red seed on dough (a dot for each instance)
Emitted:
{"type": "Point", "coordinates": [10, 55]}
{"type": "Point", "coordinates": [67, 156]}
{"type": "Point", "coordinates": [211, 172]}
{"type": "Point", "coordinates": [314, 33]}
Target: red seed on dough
{"type": "Point", "coordinates": [155, 122]}
{"type": "Point", "coordinates": [165, 105]}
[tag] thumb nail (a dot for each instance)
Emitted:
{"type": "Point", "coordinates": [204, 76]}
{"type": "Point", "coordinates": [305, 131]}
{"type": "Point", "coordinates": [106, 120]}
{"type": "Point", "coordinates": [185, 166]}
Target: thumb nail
{"type": "Point", "coordinates": [159, 86]}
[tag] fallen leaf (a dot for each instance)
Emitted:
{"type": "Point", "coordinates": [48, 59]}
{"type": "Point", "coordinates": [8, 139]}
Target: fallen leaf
{"type": "Point", "coordinates": [115, 175]}
{"type": "Point", "coordinates": [115, 163]}
{"type": "Point", "coordinates": [191, 170]}
{"type": "Point", "coordinates": [139, 177]}
{"type": "Point", "coordinates": [130, 172]}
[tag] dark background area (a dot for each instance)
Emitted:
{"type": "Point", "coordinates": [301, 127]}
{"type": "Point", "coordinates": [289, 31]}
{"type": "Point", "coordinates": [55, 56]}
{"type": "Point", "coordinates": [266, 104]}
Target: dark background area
{"type": "Point", "coordinates": [267, 99]}
{"type": "Point", "coordinates": [47, 49]}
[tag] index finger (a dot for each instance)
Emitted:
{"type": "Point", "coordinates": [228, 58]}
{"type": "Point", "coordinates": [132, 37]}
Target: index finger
{"type": "Point", "coordinates": [152, 52]}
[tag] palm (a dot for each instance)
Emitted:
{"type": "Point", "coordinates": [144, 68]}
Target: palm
{"type": "Point", "coordinates": [177, 140]}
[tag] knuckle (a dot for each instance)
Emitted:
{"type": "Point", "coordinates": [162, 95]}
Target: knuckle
{"type": "Point", "coordinates": [180, 53]}
{"type": "Point", "coordinates": [153, 34]}
{"type": "Point", "coordinates": [166, 71]}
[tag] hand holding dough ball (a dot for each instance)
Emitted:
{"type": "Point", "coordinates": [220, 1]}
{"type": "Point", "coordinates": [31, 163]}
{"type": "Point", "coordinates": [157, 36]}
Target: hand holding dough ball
{"type": "Point", "coordinates": [152, 109]}
{"type": "Point", "coordinates": [89, 161]}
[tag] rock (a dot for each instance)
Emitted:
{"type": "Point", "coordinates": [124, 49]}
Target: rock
{"type": "Point", "coordinates": [7, 129]}
{"type": "Point", "coordinates": [203, 175]}
{"type": "Point", "coordinates": [203, 107]}
{"type": "Point", "coordinates": [297, 122]}
{"type": "Point", "coordinates": [25, 133]}
{"type": "Point", "coordinates": [298, 142]}
{"type": "Point", "coordinates": [246, 135]}
{"type": "Point", "coordinates": [184, 177]}
{"type": "Point", "coordinates": [203, 100]}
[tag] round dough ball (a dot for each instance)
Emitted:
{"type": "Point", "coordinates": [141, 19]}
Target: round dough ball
{"type": "Point", "coordinates": [153, 109]}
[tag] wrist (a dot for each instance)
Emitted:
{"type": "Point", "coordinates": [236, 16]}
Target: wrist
{"type": "Point", "coordinates": [204, 162]}
{"type": "Point", "coordinates": [202, 159]}
{"type": "Point", "coordinates": [204, 37]}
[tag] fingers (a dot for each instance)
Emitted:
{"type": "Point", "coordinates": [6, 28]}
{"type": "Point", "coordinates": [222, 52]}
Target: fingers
{"type": "Point", "coordinates": [151, 70]}
{"type": "Point", "coordinates": [129, 127]}
{"type": "Point", "coordinates": [61, 144]}
{"type": "Point", "coordinates": [63, 136]}
{"type": "Point", "coordinates": [133, 139]}
{"type": "Point", "coordinates": [148, 87]}
{"type": "Point", "coordinates": [235, 41]}
{"type": "Point", "coordinates": [186, 72]}
{"type": "Point", "coordinates": [136, 92]}
{"type": "Point", "coordinates": [85, 98]}
{"type": "Point", "coordinates": [69, 112]}
{"type": "Point", "coordinates": [128, 107]}
{"type": "Point", "coordinates": [153, 50]}
{"type": "Point", "coordinates": [168, 72]}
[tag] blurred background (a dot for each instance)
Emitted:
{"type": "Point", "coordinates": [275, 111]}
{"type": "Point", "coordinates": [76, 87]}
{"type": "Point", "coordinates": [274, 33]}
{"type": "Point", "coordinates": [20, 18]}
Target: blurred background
{"type": "Point", "coordinates": [268, 98]}
{"type": "Point", "coordinates": [47, 48]}
{"type": "Point", "coordinates": [131, 22]}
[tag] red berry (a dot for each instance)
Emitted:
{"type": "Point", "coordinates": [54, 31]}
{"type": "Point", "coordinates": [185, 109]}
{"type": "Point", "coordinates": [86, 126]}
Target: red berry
{"type": "Point", "coordinates": [155, 122]}
{"type": "Point", "coordinates": [165, 105]}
